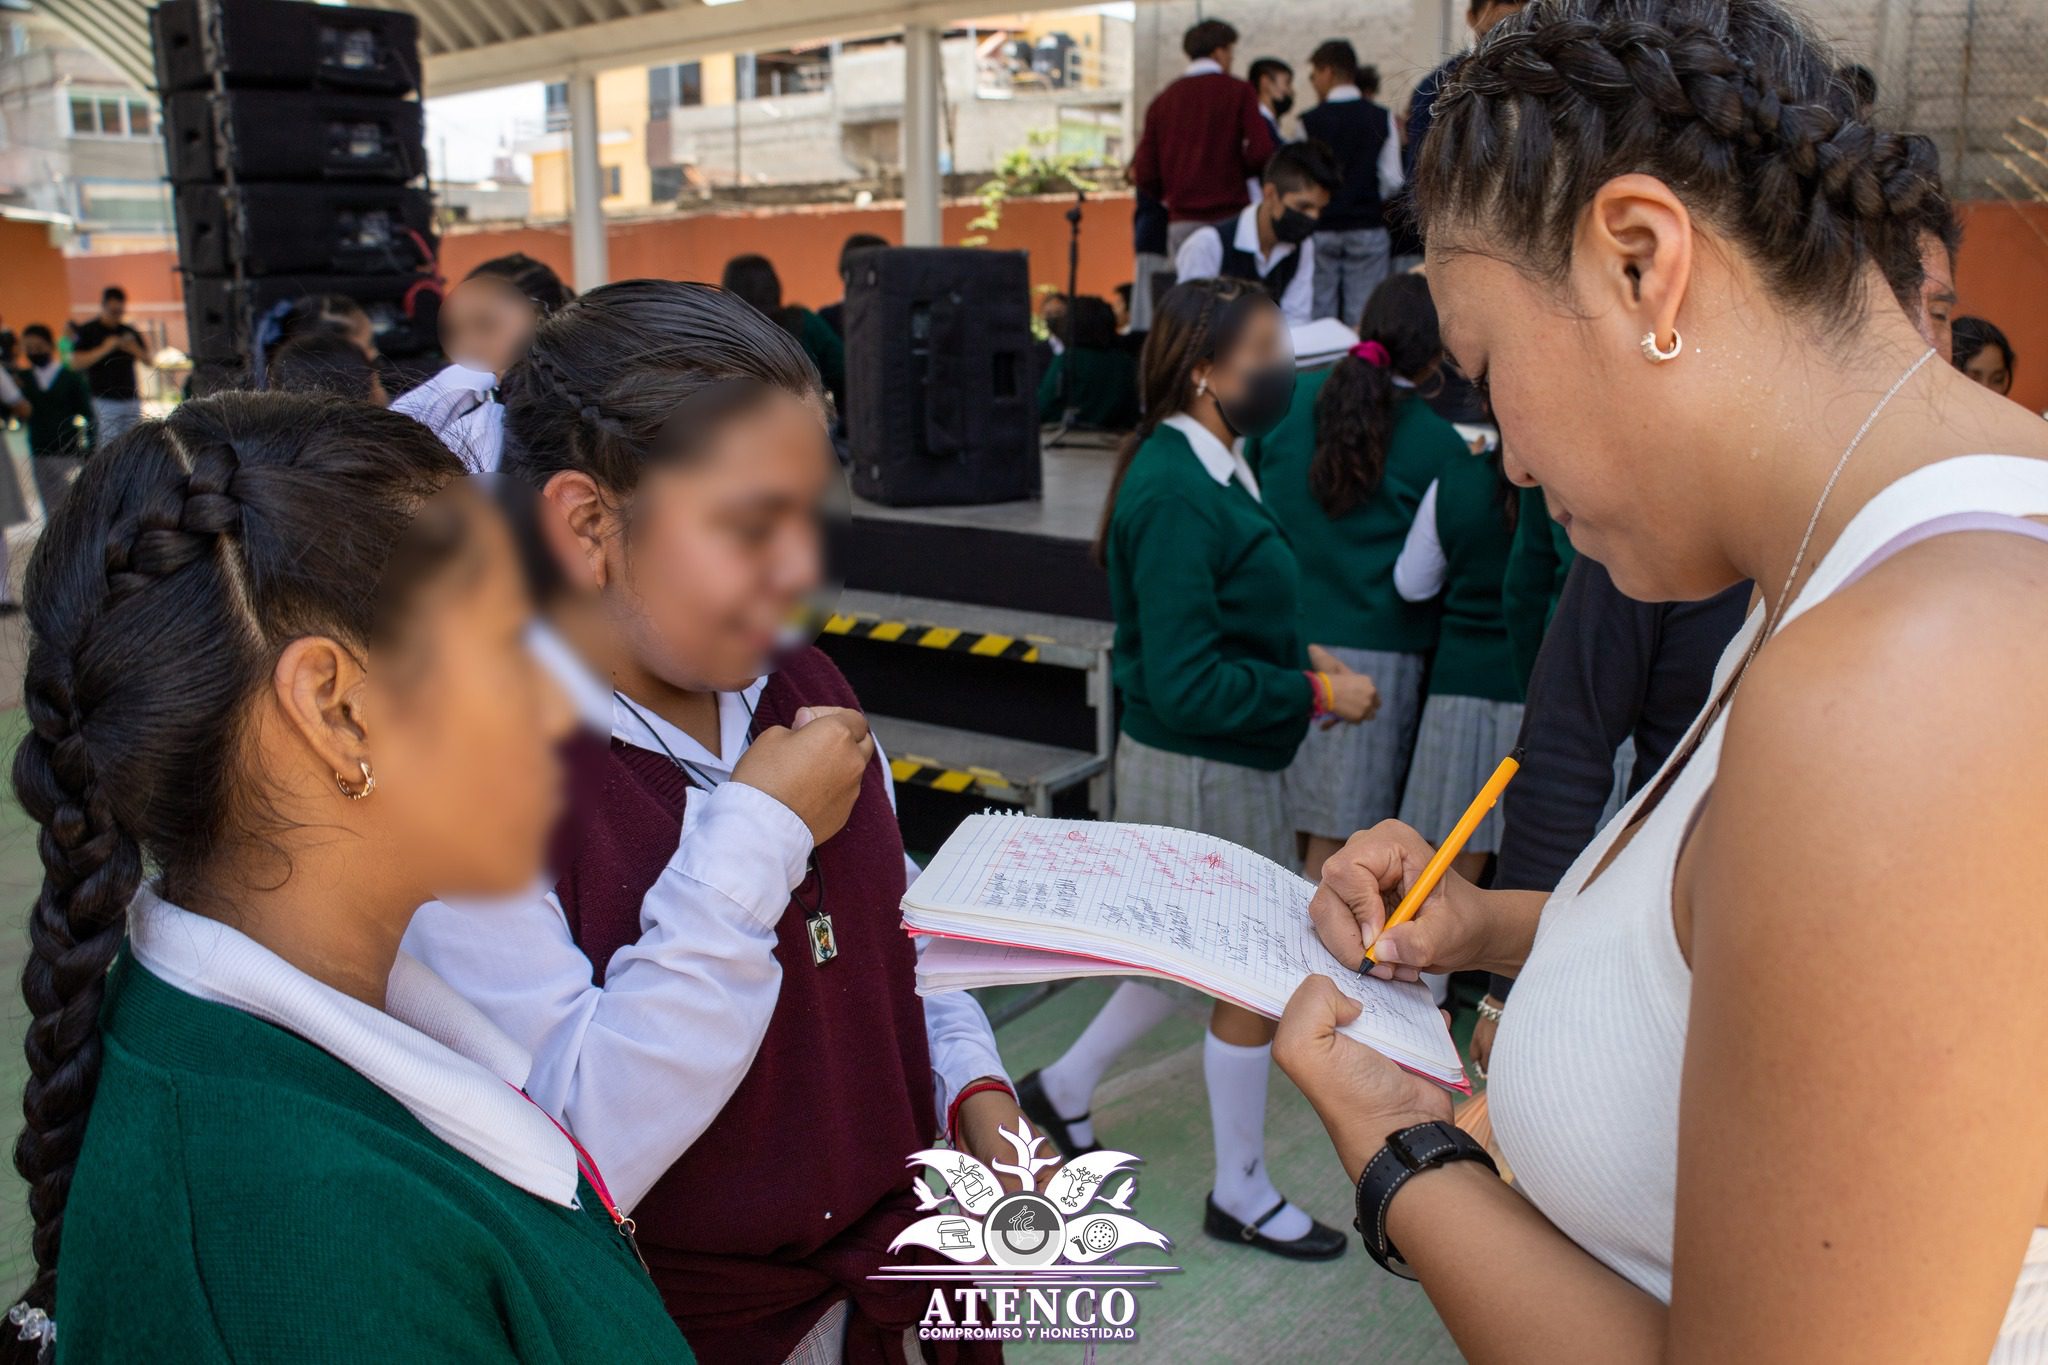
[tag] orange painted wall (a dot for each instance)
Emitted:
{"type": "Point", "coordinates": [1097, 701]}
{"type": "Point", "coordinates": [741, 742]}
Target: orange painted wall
{"type": "Point", "coordinates": [804, 243]}
{"type": "Point", "coordinates": [32, 277]}
{"type": "Point", "coordinates": [2003, 273]}
{"type": "Point", "coordinates": [2002, 277]}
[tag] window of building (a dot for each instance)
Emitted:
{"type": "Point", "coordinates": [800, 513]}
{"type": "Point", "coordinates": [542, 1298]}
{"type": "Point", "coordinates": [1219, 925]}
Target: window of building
{"type": "Point", "coordinates": [612, 182]}
{"type": "Point", "coordinates": [674, 87]}
{"type": "Point", "coordinates": [556, 97]}
{"type": "Point", "coordinates": [111, 116]}
{"type": "Point", "coordinates": [85, 118]}
{"type": "Point", "coordinates": [112, 124]}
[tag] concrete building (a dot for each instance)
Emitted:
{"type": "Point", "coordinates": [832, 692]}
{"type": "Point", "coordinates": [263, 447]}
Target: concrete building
{"type": "Point", "coordinates": [77, 139]}
{"type": "Point", "coordinates": [832, 113]}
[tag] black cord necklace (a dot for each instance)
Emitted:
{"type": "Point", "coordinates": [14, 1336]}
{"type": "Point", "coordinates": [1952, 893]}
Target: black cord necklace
{"type": "Point", "coordinates": [817, 924]}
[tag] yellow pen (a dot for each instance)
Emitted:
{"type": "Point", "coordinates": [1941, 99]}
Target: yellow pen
{"type": "Point", "coordinates": [1446, 852]}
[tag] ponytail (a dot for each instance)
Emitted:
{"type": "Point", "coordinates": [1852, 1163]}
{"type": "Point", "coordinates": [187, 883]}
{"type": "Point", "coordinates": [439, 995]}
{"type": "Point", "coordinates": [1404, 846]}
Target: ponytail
{"type": "Point", "coordinates": [1355, 410]}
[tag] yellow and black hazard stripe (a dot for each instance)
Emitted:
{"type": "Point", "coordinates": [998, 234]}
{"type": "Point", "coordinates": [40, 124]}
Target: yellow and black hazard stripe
{"type": "Point", "coordinates": [924, 772]}
{"type": "Point", "coordinates": [856, 627]}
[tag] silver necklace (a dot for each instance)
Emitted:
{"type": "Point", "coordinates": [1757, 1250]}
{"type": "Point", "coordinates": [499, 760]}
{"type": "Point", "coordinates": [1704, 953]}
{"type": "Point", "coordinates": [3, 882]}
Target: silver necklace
{"type": "Point", "coordinates": [1776, 616]}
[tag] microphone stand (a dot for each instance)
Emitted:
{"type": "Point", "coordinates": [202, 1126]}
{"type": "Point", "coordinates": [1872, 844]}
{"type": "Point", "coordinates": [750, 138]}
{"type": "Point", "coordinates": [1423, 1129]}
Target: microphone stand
{"type": "Point", "coordinates": [1066, 425]}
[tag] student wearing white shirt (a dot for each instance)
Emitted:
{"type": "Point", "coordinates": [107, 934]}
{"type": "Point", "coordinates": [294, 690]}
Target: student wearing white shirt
{"type": "Point", "coordinates": [1273, 241]}
{"type": "Point", "coordinates": [720, 997]}
{"type": "Point", "coordinates": [1352, 241]}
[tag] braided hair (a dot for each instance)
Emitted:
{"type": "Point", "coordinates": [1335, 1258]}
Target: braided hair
{"type": "Point", "coordinates": [604, 387]}
{"type": "Point", "coordinates": [1732, 103]}
{"type": "Point", "coordinates": [1196, 322]}
{"type": "Point", "coordinates": [188, 554]}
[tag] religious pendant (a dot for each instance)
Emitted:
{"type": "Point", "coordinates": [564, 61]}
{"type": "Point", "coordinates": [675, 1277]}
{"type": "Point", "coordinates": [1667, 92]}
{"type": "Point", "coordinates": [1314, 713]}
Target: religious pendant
{"type": "Point", "coordinates": [824, 947]}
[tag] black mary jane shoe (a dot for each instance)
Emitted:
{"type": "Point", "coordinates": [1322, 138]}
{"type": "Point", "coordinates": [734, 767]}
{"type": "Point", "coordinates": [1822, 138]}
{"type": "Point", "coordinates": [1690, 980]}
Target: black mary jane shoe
{"type": "Point", "coordinates": [1319, 1243]}
{"type": "Point", "coordinates": [1037, 1107]}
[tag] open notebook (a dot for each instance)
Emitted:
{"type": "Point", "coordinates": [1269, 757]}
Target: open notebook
{"type": "Point", "coordinates": [1016, 899]}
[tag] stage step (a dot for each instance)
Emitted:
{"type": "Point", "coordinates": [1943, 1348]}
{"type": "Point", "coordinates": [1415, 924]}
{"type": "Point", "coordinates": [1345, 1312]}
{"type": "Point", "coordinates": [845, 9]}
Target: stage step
{"type": "Point", "coordinates": [968, 628]}
{"type": "Point", "coordinates": [981, 766]}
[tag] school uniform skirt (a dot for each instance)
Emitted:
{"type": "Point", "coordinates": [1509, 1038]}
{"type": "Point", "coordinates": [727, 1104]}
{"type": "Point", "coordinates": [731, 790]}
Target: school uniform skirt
{"type": "Point", "coordinates": [1348, 777]}
{"type": "Point", "coordinates": [1459, 744]}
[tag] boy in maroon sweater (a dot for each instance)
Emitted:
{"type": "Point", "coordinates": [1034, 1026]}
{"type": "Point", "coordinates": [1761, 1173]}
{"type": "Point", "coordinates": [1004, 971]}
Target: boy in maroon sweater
{"type": "Point", "coordinates": [1204, 137]}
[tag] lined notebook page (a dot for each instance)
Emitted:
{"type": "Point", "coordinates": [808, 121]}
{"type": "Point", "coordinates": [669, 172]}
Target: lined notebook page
{"type": "Point", "coordinates": [1180, 899]}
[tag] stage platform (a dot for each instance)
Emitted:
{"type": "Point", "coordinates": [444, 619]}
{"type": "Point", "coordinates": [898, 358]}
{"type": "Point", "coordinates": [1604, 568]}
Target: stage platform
{"type": "Point", "coordinates": [1025, 556]}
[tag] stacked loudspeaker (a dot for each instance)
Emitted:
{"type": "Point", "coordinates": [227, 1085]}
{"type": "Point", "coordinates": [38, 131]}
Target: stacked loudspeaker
{"type": "Point", "coordinates": [942, 403]}
{"type": "Point", "coordinates": [295, 148]}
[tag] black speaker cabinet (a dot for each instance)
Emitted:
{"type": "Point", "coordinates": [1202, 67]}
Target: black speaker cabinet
{"type": "Point", "coordinates": [323, 229]}
{"type": "Point", "coordinates": [405, 310]}
{"type": "Point", "coordinates": [293, 135]}
{"type": "Point", "coordinates": [283, 44]}
{"type": "Point", "coordinates": [941, 407]}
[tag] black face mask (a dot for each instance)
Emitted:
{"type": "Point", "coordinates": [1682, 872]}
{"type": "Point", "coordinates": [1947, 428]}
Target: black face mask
{"type": "Point", "coordinates": [36, 362]}
{"type": "Point", "coordinates": [1282, 105]}
{"type": "Point", "coordinates": [1263, 402]}
{"type": "Point", "coordinates": [1294, 227]}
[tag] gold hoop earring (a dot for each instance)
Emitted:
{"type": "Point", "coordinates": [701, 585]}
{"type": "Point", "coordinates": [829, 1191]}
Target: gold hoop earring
{"type": "Point", "coordinates": [369, 783]}
{"type": "Point", "coordinates": [1655, 354]}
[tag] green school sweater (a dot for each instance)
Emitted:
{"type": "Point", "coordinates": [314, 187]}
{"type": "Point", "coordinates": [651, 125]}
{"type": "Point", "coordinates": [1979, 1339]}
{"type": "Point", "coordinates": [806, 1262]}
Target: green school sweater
{"type": "Point", "coordinates": [242, 1195]}
{"type": "Point", "coordinates": [54, 416]}
{"type": "Point", "coordinates": [1474, 657]}
{"type": "Point", "coordinates": [1208, 654]}
{"type": "Point", "coordinates": [1537, 564]}
{"type": "Point", "coordinates": [1105, 388]}
{"type": "Point", "coordinates": [1347, 562]}
{"type": "Point", "coordinates": [823, 346]}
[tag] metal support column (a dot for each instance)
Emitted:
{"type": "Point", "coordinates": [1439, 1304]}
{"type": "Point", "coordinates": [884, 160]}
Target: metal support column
{"type": "Point", "coordinates": [921, 57]}
{"type": "Point", "coordinates": [586, 185]}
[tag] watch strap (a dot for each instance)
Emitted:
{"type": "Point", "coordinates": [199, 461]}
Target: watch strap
{"type": "Point", "coordinates": [1407, 1153]}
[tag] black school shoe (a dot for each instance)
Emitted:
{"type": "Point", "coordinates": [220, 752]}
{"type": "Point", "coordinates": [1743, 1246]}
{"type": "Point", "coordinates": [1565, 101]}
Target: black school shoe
{"type": "Point", "coordinates": [1319, 1243]}
{"type": "Point", "coordinates": [1037, 1107]}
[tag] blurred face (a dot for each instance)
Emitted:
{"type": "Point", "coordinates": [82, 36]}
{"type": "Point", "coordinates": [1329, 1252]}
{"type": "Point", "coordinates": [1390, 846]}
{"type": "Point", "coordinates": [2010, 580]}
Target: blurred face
{"type": "Point", "coordinates": [1309, 200]}
{"type": "Point", "coordinates": [717, 553]}
{"type": "Point", "coordinates": [1277, 86]}
{"type": "Point", "coordinates": [36, 350]}
{"type": "Point", "coordinates": [466, 722]}
{"type": "Point", "coordinates": [113, 310]}
{"type": "Point", "coordinates": [487, 324]}
{"type": "Point", "coordinates": [1324, 80]}
{"type": "Point", "coordinates": [1988, 368]}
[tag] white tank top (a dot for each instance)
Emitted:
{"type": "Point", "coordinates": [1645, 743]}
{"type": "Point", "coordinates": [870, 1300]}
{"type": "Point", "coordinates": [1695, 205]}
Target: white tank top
{"type": "Point", "coordinates": [1584, 1084]}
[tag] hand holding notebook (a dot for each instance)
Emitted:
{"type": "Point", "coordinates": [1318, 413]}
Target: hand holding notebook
{"type": "Point", "coordinates": [1018, 899]}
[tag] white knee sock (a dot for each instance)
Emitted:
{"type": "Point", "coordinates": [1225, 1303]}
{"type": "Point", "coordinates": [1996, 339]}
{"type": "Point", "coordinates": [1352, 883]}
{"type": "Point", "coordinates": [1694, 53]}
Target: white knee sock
{"type": "Point", "coordinates": [1237, 1116]}
{"type": "Point", "coordinates": [1131, 1012]}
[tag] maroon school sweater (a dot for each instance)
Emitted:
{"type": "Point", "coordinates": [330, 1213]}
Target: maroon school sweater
{"type": "Point", "coordinates": [1204, 138]}
{"type": "Point", "coordinates": [791, 1197]}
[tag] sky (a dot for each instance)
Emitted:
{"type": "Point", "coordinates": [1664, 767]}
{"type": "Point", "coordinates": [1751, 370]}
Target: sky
{"type": "Point", "coordinates": [466, 132]}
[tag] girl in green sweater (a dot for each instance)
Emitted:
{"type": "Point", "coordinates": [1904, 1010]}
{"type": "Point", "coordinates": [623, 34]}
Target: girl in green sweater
{"type": "Point", "coordinates": [1216, 691]}
{"type": "Point", "coordinates": [280, 694]}
{"type": "Point", "coordinates": [1345, 474]}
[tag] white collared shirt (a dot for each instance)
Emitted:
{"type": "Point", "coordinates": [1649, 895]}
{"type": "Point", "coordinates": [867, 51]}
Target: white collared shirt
{"type": "Point", "coordinates": [46, 375]}
{"type": "Point", "coordinates": [683, 1010]}
{"type": "Point", "coordinates": [428, 1048]}
{"type": "Point", "coordinates": [1201, 258]}
{"type": "Point", "coordinates": [1423, 567]}
{"type": "Point", "coordinates": [1391, 176]}
{"type": "Point", "coordinates": [1223, 462]}
{"type": "Point", "coordinates": [460, 405]}
{"type": "Point", "coordinates": [1204, 66]}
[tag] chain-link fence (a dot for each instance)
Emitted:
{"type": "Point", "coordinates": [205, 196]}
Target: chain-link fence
{"type": "Point", "coordinates": [1973, 75]}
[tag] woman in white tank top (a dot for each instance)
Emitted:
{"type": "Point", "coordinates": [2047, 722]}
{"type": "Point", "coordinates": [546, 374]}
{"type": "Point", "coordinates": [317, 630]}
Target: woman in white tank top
{"type": "Point", "coordinates": [1771, 1081]}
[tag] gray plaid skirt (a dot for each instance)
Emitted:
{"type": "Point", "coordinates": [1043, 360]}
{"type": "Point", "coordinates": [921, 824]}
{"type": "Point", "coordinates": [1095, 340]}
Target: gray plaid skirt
{"type": "Point", "coordinates": [1461, 742]}
{"type": "Point", "coordinates": [1348, 777]}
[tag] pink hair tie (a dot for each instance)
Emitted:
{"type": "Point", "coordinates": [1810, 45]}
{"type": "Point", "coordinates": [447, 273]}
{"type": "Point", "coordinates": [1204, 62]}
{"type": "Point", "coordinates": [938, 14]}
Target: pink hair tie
{"type": "Point", "coordinates": [1373, 354]}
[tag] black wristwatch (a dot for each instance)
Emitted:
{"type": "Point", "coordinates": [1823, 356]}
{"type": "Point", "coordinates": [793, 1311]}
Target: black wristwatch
{"type": "Point", "coordinates": [1408, 1152]}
